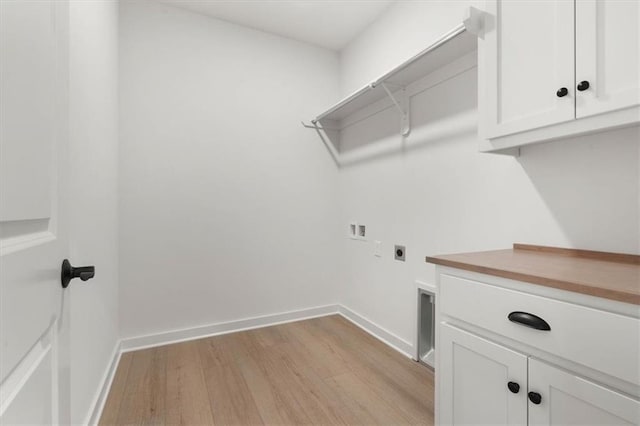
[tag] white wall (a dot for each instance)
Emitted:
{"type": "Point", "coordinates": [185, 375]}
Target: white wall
{"type": "Point", "coordinates": [403, 30]}
{"type": "Point", "coordinates": [93, 187]}
{"type": "Point", "coordinates": [228, 206]}
{"type": "Point", "coordinates": [436, 194]}
{"type": "Point", "coordinates": [229, 209]}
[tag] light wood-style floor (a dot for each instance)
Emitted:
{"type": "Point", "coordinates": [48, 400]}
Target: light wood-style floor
{"type": "Point", "coordinates": [321, 371]}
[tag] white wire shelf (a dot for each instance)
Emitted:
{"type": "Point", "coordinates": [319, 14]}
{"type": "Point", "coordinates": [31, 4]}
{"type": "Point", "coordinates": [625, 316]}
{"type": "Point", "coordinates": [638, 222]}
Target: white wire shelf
{"type": "Point", "coordinates": [452, 45]}
{"type": "Point", "coordinates": [456, 43]}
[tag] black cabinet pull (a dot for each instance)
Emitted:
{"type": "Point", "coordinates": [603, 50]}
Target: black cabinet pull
{"type": "Point", "coordinates": [70, 272]}
{"type": "Point", "coordinates": [513, 387]}
{"type": "Point", "coordinates": [584, 85]}
{"type": "Point", "coordinates": [562, 92]}
{"type": "Point", "coordinates": [528, 320]}
{"type": "Point", "coordinates": [535, 397]}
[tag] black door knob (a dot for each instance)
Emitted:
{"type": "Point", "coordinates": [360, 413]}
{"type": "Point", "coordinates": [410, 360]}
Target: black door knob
{"type": "Point", "coordinates": [535, 397]}
{"type": "Point", "coordinates": [513, 387]}
{"type": "Point", "coordinates": [562, 92]}
{"type": "Point", "coordinates": [70, 272]}
{"type": "Point", "coordinates": [584, 85]}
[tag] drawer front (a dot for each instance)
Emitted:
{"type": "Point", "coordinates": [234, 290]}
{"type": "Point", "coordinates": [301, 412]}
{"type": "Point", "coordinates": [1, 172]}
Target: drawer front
{"type": "Point", "coordinates": [597, 339]}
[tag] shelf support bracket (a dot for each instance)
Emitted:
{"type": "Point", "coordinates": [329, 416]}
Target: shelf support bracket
{"type": "Point", "coordinates": [320, 130]}
{"type": "Point", "coordinates": [314, 126]}
{"type": "Point", "coordinates": [403, 108]}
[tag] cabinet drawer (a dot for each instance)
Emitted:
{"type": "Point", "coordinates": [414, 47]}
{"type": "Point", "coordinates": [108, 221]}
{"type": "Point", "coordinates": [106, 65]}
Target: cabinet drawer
{"type": "Point", "coordinates": [597, 339]}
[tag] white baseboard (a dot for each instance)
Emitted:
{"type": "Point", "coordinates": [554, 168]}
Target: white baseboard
{"type": "Point", "coordinates": [193, 333]}
{"type": "Point", "coordinates": [378, 332]}
{"type": "Point", "coordinates": [107, 379]}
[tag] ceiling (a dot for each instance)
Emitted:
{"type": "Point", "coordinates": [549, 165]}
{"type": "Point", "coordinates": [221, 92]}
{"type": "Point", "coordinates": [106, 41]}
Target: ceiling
{"type": "Point", "coordinates": [329, 23]}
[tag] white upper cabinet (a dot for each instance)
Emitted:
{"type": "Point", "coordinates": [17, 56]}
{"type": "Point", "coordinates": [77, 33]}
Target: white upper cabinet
{"type": "Point", "coordinates": [529, 57]}
{"type": "Point", "coordinates": [557, 68]}
{"type": "Point", "coordinates": [607, 56]}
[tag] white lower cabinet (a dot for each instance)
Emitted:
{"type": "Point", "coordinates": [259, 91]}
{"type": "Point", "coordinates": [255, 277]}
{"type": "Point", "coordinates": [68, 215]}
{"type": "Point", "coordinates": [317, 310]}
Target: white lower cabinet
{"type": "Point", "coordinates": [510, 353]}
{"type": "Point", "coordinates": [482, 382]}
{"type": "Point", "coordinates": [475, 379]}
{"type": "Point", "coordinates": [568, 399]}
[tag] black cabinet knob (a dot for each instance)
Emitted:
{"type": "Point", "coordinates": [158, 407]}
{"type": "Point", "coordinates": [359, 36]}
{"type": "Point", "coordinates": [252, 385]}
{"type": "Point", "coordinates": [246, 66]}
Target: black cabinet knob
{"type": "Point", "coordinates": [562, 92]}
{"type": "Point", "coordinates": [583, 85]}
{"type": "Point", "coordinates": [70, 272]}
{"type": "Point", "coordinates": [513, 387]}
{"type": "Point", "coordinates": [535, 397]}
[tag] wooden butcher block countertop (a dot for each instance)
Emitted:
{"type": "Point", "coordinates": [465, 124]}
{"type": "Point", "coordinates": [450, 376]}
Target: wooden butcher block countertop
{"type": "Point", "coordinates": [609, 275]}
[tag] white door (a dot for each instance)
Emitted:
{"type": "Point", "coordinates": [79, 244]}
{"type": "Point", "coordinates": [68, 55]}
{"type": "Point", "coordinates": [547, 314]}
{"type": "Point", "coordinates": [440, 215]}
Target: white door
{"type": "Point", "coordinates": [34, 368]}
{"type": "Point", "coordinates": [567, 399]}
{"type": "Point", "coordinates": [607, 55]}
{"type": "Point", "coordinates": [528, 59]}
{"type": "Point", "coordinates": [480, 382]}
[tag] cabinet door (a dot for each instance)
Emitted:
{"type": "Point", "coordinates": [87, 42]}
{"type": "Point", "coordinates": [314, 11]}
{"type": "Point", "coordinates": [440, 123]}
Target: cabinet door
{"type": "Point", "coordinates": [527, 55]}
{"type": "Point", "coordinates": [568, 399]}
{"type": "Point", "coordinates": [473, 378]}
{"type": "Point", "coordinates": [607, 55]}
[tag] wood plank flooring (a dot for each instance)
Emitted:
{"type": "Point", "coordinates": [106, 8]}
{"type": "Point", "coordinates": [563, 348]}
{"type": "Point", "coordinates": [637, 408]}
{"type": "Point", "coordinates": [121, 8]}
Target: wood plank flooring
{"type": "Point", "coordinates": [322, 371]}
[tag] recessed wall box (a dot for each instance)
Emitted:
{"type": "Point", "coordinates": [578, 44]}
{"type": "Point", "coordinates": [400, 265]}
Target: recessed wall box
{"type": "Point", "coordinates": [353, 230]}
{"type": "Point", "coordinates": [361, 232]}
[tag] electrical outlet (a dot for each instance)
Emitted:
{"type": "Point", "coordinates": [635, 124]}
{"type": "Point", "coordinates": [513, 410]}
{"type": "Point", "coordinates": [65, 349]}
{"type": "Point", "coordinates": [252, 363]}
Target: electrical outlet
{"type": "Point", "coordinates": [376, 249]}
{"type": "Point", "coordinates": [399, 253]}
